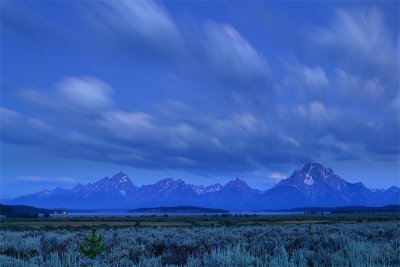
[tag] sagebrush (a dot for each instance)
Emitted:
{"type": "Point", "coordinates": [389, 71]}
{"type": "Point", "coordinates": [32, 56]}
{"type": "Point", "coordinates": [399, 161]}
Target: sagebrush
{"type": "Point", "coordinates": [361, 244]}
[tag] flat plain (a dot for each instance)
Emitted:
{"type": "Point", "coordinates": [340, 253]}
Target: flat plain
{"type": "Point", "coordinates": [362, 239]}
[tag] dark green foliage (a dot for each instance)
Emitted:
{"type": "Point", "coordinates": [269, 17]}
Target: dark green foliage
{"type": "Point", "coordinates": [309, 231]}
{"type": "Point", "coordinates": [93, 245]}
{"type": "Point", "coordinates": [6, 210]}
{"type": "Point", "coordinates": [21, 211]}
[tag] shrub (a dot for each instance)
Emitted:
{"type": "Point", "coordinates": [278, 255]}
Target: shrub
{"type": "Point", "coordinates": [360, 244]}
{"type": "Point", "coordinates": [93, 245]}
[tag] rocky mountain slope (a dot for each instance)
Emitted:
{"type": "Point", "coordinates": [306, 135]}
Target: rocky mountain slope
{"type": "Point", "coordinates": [312, 185]}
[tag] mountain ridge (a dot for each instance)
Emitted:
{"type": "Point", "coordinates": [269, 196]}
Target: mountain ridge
{"type": "Point", "coordinates": [312, 185]}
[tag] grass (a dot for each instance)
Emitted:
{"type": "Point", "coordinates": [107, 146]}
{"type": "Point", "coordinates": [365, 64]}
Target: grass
{"type": "Point", "coordinates": [201, 220]}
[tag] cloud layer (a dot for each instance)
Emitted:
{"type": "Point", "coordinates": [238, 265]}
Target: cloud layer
{"type": "Point", "coordinates": [235, 113]}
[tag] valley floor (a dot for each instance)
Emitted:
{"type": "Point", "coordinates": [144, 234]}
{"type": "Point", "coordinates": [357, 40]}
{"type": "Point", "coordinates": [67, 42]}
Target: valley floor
{"type": "Point", "coordinates": [291, 240]}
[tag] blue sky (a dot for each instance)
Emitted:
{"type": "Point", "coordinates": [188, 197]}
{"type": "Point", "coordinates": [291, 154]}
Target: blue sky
{"type": "Point", "coordinates": [202, 91]}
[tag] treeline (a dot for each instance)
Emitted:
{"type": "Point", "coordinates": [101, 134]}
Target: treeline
{"type": "Point", "coordinates": [22, 211]}
{"type": "Point", "coordinates": [346, 209]}
{"type": "Point", "coordinates": [357, 209]}
{"type": "Point", "coordinates": [178, 209]}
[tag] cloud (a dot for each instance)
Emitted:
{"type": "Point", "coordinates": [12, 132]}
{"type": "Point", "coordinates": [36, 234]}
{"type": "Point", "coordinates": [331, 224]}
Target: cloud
{"type": "Point", "coordinates": [129, 126]}
{"type": "Point", "coordinates": [142, 28]}
{"type": "Point", "coordinates": [85, 93]}
{"type": "Point", "coordinates": [314, 77]}
{"type": "Point", "coordinates": [41, 179]}
{"type": "Point", "coordinates": [314, 115]}
{"type": "Point", "coordinates": [209, 54]}
{"type": "Point", "coordinates": [366, 89]}
{"type": "Point", "coordinates": [396, 105]}
{"type": "Point", "coordinates": [277, 176]}
{"type": "Point", "coordinates": [16, 18]}
{"type": "Point", "coordinates": [343, 132]}
{"type": "Point", "coordinates": [341, 107]}
{"type": "Point", "coordinates": [231, 114]}
{"type": "Point", "coordinates": [237, 141]}
{"type": "Point", "coordinates": [361, 38]}
{"type": "Point", "coordinates": [78, 94]}
{"type": "Point", "coordinates": [22, 130]}
{"type": "Point", "coordinates": [362, 31]}
{"type": "Point", "coordinates": [302, 81]}
{"type": "Point", "coordinates": [231, 56]}
{"type": "Point", "coordinates": [214, 53]}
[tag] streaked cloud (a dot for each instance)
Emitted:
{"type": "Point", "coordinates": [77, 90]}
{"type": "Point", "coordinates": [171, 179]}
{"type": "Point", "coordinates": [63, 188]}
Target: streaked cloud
{"type": "Point", "coordinates": [277, 176]}
{"type": "Point", "coordinates": [77, 94]}
{"type": "Point", "coordinates": [231, 56]}
{"type": "Point", "coordinates": [41, 179]}
{"type": "Point", "coordinates": [136, 24]}
{"type": "Point", "coordinates": [153, 85]}
{"type": "Point", "coordinates": [363, 33]}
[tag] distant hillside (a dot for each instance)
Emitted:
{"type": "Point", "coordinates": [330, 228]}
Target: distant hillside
{"type": "Point", "coordinates": [179, 209]}
{"type": "Point", "coordinates": [24, 211]}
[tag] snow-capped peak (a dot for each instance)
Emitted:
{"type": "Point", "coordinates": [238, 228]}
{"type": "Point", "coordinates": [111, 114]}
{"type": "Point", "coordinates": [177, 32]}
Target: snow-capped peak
{"type": "Point", "coordinates": [169, 184]}
{"type": "Point", "coordinates": [120, 177]}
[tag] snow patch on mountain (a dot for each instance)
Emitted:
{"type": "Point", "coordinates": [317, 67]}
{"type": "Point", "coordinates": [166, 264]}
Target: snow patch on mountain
{"type": "Point", "coordinates": [198, 189]}
{"type": "Point", "coordinates": [309, 180]}
{"type": "Point", "coordinates": [213, 188]}
{"type": "Point", "coordinates": [123, 179]}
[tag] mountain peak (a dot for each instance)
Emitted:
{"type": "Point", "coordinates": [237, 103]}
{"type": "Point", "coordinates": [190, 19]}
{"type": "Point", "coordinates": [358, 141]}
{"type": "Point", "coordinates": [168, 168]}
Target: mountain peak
{"type": "Point", "coordinates": [170, 184]}
{"type": "Point", "coordinates": [120, 176]}
{"type": "Point", "coordinates": [165, 181]}
{"type": "Point", "coordinates": [314, 171]}
{"type": "Point", "coordinates": [237, 183]}
{"type": "Point", "coordinates": [308, 167]}
{"type": "Point", "coordinates": [314, 179]}
{"type": "Point", "coordinates": [58, 189]}
{"type": "Point", "coordinates": [312, 185]}
{"type": "Point", "coordinates": [78, 186]}
{"type": "Point", "coordinates": [393, 189]}
{"type": "Point", "coordinates": [119, 182]}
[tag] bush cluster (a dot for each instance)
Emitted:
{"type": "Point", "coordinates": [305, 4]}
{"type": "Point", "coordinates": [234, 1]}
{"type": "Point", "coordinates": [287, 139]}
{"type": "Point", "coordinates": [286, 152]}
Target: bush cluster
{"type": "Point", "coordinates": [361, 244]}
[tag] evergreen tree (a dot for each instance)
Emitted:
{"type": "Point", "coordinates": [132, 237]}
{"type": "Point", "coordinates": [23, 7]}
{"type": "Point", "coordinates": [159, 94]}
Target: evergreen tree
{"type": "Point", "coordinates": [93, 245]}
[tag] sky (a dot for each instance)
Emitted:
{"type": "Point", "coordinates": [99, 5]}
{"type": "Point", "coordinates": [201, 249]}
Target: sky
{"type": "Point", "coordinates": [198, 90]}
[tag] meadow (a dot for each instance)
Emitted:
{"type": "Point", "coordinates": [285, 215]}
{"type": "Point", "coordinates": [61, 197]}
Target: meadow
{"type": "Point", "coordinates": [313, 240]}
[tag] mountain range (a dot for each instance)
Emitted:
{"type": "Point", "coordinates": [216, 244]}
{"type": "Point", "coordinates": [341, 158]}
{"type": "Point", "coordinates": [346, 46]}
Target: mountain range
{"type": "Point", "coordinates": [311, 186]}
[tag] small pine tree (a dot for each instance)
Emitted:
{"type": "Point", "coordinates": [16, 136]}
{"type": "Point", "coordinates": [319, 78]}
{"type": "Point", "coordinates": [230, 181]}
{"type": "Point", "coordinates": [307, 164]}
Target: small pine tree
{"type": "Point", "coordinates": [93, 245]}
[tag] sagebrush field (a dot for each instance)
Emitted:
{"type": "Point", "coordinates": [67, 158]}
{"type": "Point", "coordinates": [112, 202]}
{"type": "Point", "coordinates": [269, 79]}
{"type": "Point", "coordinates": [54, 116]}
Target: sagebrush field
{"type": "Point", "coordinates": [332, 244]}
